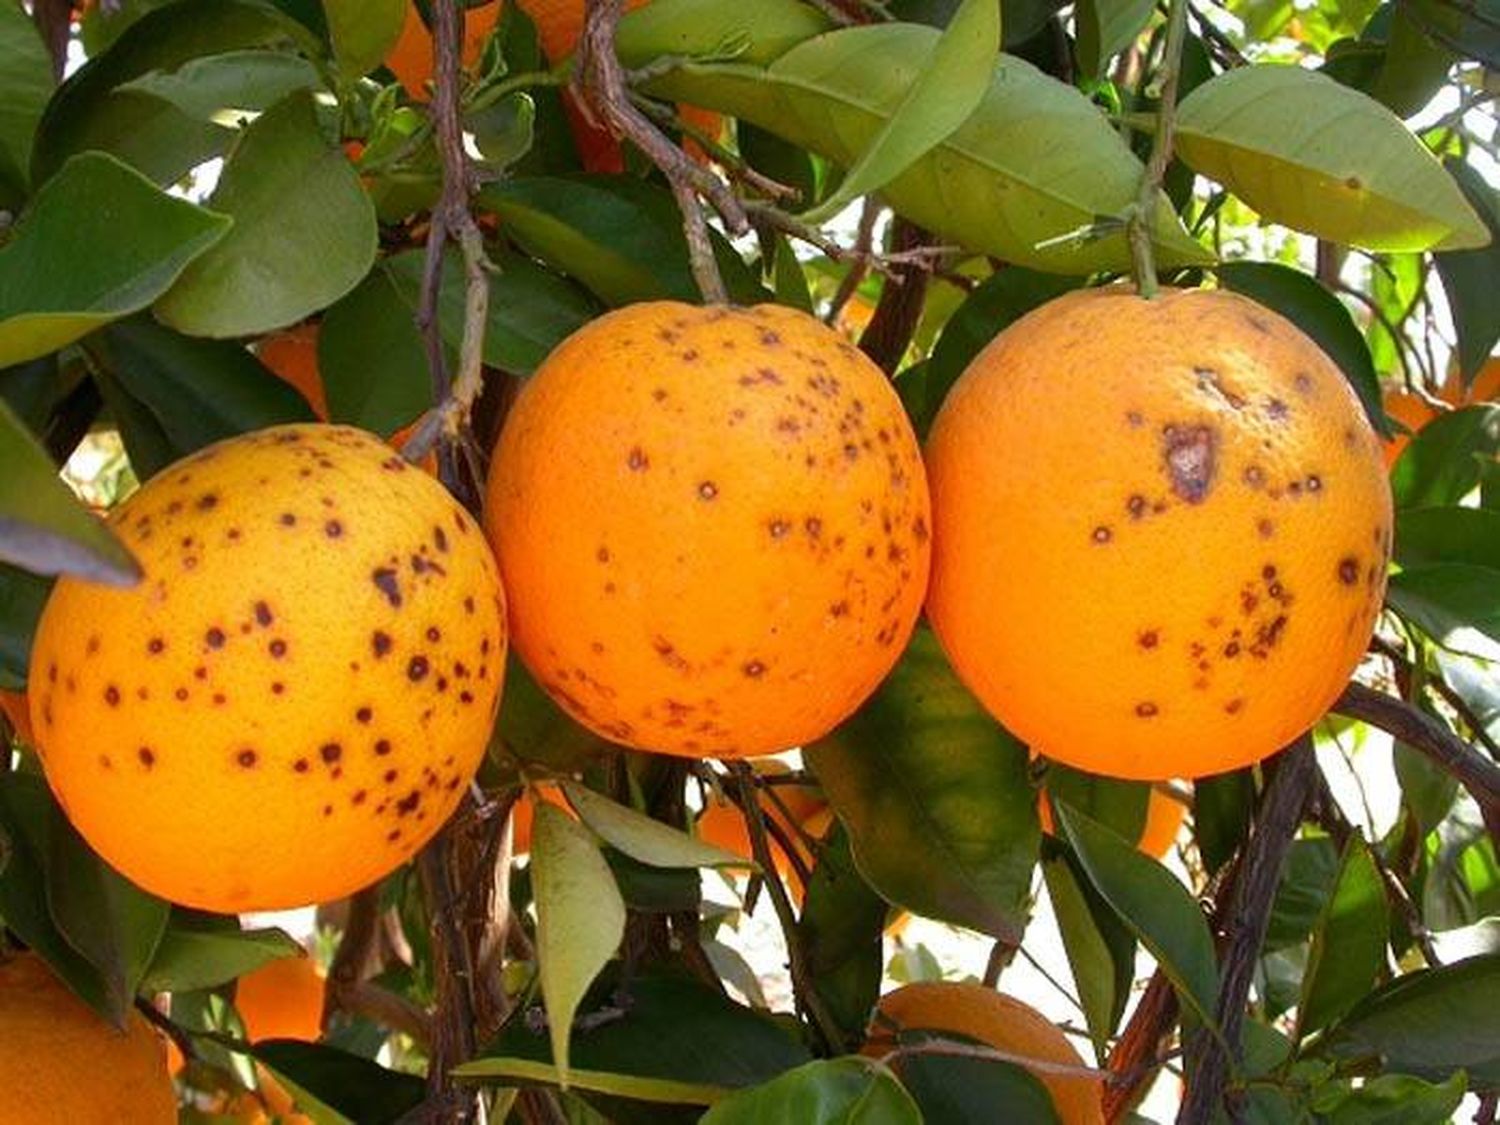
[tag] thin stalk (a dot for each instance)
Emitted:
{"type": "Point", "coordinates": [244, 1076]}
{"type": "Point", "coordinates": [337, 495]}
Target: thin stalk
{"type": "Point", "coordinates": [1142, 218]}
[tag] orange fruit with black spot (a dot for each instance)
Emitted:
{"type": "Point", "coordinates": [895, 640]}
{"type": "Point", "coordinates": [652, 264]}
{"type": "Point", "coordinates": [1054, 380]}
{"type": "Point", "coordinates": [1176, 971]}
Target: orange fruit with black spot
{"type": "Point", "coordinates": [296, 695]}
{"type": "Point", "coordinates": [1002, 1022]}
{"type": "Point", "coordinates": [62, 1063]}
{"type": "Point", "coordinates": [17, 713]}
{"type": "Point", "coordinates": [1164, 817]}
{"type": "Point", "coordinates": [1161, 531]}
{"type": "Point", "coordinates": [410, 59]}
{"type": "Point", "coordinates": [714, 525]}
{"type": "Point", "coordinates": [1413, 412]}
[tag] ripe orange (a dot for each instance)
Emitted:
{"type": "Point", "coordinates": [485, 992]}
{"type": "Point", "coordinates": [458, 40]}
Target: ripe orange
{"type": "Point", "coordinates": [14, 704]}
{"type": "Point", "coordinates": [524, 814]}
{"type": "Point", "coordinates": [410, 60]}
{"type": "Point", "coordinates": [283, 999]}
{"type": "Point", "coordinates": [1413, 412]}
{"type": "Point", "coordinates": [62, 1063]}
{"type": "Point", "coordinates": [293, 355]}
{"type": "Point", "coordinates": [723, 824]}
{"type": "Point", "coordinates": [714, 523]}
{"type": "Point", "coordinates": [1161, 531]}
{"type": "Point", "coordinates": [1164, 817]}
{"type": "Point", "coordinates": [1485, 388]}
{"type": "Point", "coordinates": [293, 699]}
{"type": "Point", "coordinates": [1002, 1022]}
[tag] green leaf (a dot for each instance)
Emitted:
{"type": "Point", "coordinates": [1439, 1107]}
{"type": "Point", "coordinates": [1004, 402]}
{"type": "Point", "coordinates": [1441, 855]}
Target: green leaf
{"type": "Point", "coordinates": [955, 1090]}
{"type": "Point", "coordinates": [1306, 884]}
{"type": "Point", "coordinates": [1394, 1099]}
{"type": "Point", "coordinates": [1322, 158]}
{"type": "Point", "coordinates": [999, 184]}
{"type": "Point", "coordinates": [533, 730]}
{"type": "Point", "coordinates": [1101, 952]}
{"type": "Point", "coordinates": [1221, 815]}
{"type": "Point", "coordinates": [43, 527]}
{"type": "Point", "coordinates": [97, 243]}
{"type": "Point", "coordinates": [22, 597]}
{"type": "Point", "coordinates": [195, 391]}
{"type": "Point", "coordinates": [110, 921]}
{"type": "Point", "coordinates": [936, 797]}
{"type": "Point", "coordinates": [620, 238]}
{"type": "Point", "coordinates": [1425, 536]}
{"type": "Point", "coordinates": [580, 919]}
{"type": "Point", "coordinates": [304, 232]}
{"type": "Point", "coordinates": [841, 930]}
{"type": "Point", "coordinates": [789, 279]}
{"type": "Point", "coordinates": [1348, 944]}
{"type": "Point", "coordinates": [227, 86]}
{"type": "Point", "coordinates": [1430, 1023]}
{"type": "Point", "coordinates": [1471, 278]}
{"type": "Point", "coordinates": [371, 358]}
{"type": "Point", "coordinates": [1105, 28]}
{"type": "Point", "coordinates": [663, 1036]}
{"type": "Point", "coordinates": [25, 86]}
{"type": "Point", "coordinates": [845, 1091]}
{"type": "Point", "coordinates": [1118, 805]}
{"type": "Point", "coordinates": [638, 836]}
{"type": "Point", "coordinates": [755, 33]}
{"type": "Point", "coordinates": [192, 955]}
{"type": "Point", "coordinates": [1311, 307]}
{"type": "Point", "coordinates": [1457, 605]}
{"type": "Point", "coordinates": [1154, 905]}
{"type": "Point", "coordinates": [1470, 30]}
{"type": "Point", "coordinates": [91, 112]}
{"type": "Point", "coordinates": [337, 1084]}
{"type": "Point", "coordinates": [531, 309]}
{"type": "Point", "coordinates": [363, 32]}
{"type": "Point", "coordinates": [946, 87]}
{"type": "Point", "coordinates": [1443, 463]}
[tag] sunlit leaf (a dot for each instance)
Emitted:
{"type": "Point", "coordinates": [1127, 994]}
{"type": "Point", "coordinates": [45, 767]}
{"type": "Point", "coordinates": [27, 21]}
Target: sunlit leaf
{"type": "Point", "coordinates": [847, 1091]}
{"type": "Point", "coordinates": [1348, 945]}
{"type": "Point", "coordinates": [642, 838]}
{"type": "Point", "coordinates": [363, 32]}
{"type": "Point", "coordinates": [192, 955]}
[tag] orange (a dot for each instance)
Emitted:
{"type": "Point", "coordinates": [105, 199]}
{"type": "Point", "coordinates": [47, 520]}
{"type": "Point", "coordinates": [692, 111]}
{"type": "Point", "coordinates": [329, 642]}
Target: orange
{"type": "Point", "coordinates": [714, 523]}
{"type": "Point", "coordinates": [1161, 531]}
{"type": "Point", "coordinates": [1485, 388]}
{"type": "Point", "coordinates": [1164, 817]}
{"type": "Point", "coordinates": [410, 60]}
{"type": "Point", "coordinates": [1413, 412]}
{"type": "Point", "coordinates": [559, 23]}
{"type": "Point", "coordinates": [524, 813]}
{"type": "Point", "coordinates": [62, 1063]}
{"type": "Point", "coordinates": [723, 824]}
{"type": "Point", "coordinates": [293, 355]}
{"type": "Point", "coordinates": [1002, 1022]}
{"type": "Point", "coordinates": [14, 705]}
{"type": "Point", "coordinates": [296, 695]}
{"type": "Point", "coordinates": [283, 999]}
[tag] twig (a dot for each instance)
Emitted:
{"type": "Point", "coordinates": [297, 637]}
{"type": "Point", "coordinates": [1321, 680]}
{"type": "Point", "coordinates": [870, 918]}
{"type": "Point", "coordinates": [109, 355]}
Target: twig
{"type": "Point", "coordinates": [1477, 774]}
{"type": "Point", "coordinates": [1280, 813]}
{"type": "Point", "coordinates": [357, 952]}
{"type": "Point", "coordinates": [733, 162]}
{"type": "Point", "coordinates": [1143, 215]}
{"type": "Point", "coordinates": [1446, 691]}
{"type": "Point", "coordinates": [1000, 956]}
{"type": "Point", "coordinates": [382, 1006]}
{"type": "Point", "coordinates": [1227, 53]}
{"type": "Point", "coordinates": [1484, 1113]}
{"type": "Point", "coordinates": [902, 298]}
{"type": "Point", "coordinates": [604, 88]}
{"type": "Point", "coordinates": [804, 986]}
{"type": "Point", "coordinates": [1136, 1055]}
{"type": "Point", "coordinates": [860, 257]}
{"type": "Point", "coordinates": [180, 1038]}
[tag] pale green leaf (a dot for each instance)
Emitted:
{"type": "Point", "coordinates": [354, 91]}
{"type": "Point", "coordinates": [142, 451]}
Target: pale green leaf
{"type": "Point", "coordinates": [189, 958]}
{"type": "Point", "coordinates": [638, 836]}
{"type": "Point", "coordinates": [1322, 158]}
{"type": "Point", "coordinates": [1107, 27]}
{"type": "Point", "coordinates": [304, 231]}
{"type": "Point", "coordinates": [225, 88]}
{"type": "Point", "coordinates": [844, 1091]}
{"type": "Point", "coordinates": [363, 32]}
{"type": "Point", "coordinates": [580, 919]}
{"type": "Point", "coordinates": [663, 1090]}
{"type": "Point", "coordinates": [703, 29]}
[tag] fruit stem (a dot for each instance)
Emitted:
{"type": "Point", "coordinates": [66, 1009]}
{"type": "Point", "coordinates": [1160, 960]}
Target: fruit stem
{"type": "Point", "coordinates": [1143, 215]}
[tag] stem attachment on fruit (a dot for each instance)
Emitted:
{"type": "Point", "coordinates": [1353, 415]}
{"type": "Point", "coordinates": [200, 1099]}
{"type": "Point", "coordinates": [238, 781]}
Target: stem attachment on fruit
{"type": "Point", "coordinates": [1143, 214]}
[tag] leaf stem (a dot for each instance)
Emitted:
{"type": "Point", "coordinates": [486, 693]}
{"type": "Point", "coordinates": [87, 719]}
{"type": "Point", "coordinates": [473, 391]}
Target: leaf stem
{"type": "Point", "coordinates": [1143, 215]}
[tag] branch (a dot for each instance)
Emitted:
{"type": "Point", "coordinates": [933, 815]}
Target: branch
{"type": "Point", "coordinates": [357, 951]}
{"type": "Point", "coordinates": [902, 297]}
{"type": "Point", "coordinates": [861, 256]}
{"type": "Point", "coordinates": [52, 19]}
{"type": "Point", "coordinates": [604, 88]}
{"type": "Point", "coordinates": [1280, 813]}
{"type": "Point", "coordinates": [1137, 1054]}
{"type": "Point", "coordinates": [1143, 216]}
{"type": "Point", "coordinates": [1478, 774]}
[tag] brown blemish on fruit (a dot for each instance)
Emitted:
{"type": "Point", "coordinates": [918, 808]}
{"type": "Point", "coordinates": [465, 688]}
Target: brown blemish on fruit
{"type": "Point", "coordinates": [434, 634]}
{"type": "Point", "coordinates": [382, 747]}
{"type": "Point", "coordinates": [330, 752]}
{"type": "Point", "coordinates": [637, 461]}
{"type": "Point", "coordinates": [386, 582]}
{"type": "Point", "coordinates": [1265, 528]}
{"type": "Point", "coordinates": [246, 758]}
{"type": "Point", "coordinates": [333, 529]}
{"type": "Point", "coordinates": [1146, 710]}
{"type": "Point", "coordinates": [1136, 506]}
{"type": "Point", "coordinates": [277, 648]}
{"type": "Point", "coordinates": [364, 715]}
{"type": "Point", "coordinates": [1102, 534]}
{"type": "Point", "coordinates": [112, 695]}
{"type": "Point", "coordinates": [1148, 638]}
{"type": "Point", "coordinates": [263, 616]}
{"type": "Point", "coordinates": [358, 797]}
{"type": "Point", "coordinates": [214, 638]}
{"type": "Point", "coordinates": [301, 765]}
{"type": "Point", "coordinates": [277, 687]}
{"type": "Point", "coordinates": [146, 756]}
{"type": "Point", "coordinates": [1349, 570]}
{"type": "Point", "coordinates": [417, 668]}
{"type": "Point", "coordinates": [1234, 706]}
{"type": "Point", "coordinates": [754, 669]}
{"type": "Point", "coordinates": [288, 520]}
{"type": "Point", "coordinates": [707, 490]}
{"type": "Point", "coordinates": [1188, 456]}
{"type": "Point", "coordinates": [778, 528]}
{"type": "Point", "coordinates": [1277, 410]}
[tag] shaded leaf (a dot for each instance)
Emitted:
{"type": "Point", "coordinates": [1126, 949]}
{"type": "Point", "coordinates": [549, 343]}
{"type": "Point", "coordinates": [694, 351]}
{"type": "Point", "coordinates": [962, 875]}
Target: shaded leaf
{"type": "Point", "coordinates": [234, 84]}
{"type": "Point", "coordinates": [191, 956]}
{"type": "Point", "coordinates": [363, 32]}
{"type": "Point", "coordinates": [1117, 804]}
{"type": "Point", "coordinates": [1471, 278]}
{"type": "Point", "coordinates": [43, 527]}
{"type": "Point", "coordinates": [999, 184]}
{"type": "Point", "coordinates": [1105, 28]}
{"type": "Point", "coordinates": [846, 1091]}
{"type": "Point", "coordinates": [25, 86]}
{"type": "Point", "coordinates": [1348, 943]}
{"type": "Point", "coordinates": [1442, 464]}
{"type": "Point", "coordinates": [1221, 815]}
{"type": "Point", "coordinates": [967, 1091]}
{"type": "Point", "coordinates": [642, 838]}
{"type": "Point", "coordinates": [1153, 904]}
{"type": "Point", "coordinates": [1306, 884]}
{"type": "Point", "coordinates": [1305, 301]}
{"type": "Point", "coordinates": [1101, 952]}
{"type": "Point", "coordinates": [654, 890]}
{"type": "Point", "coordinates": [1394, 1099]}
{"type": "Point", "coordinates": [936, 797]}
{"type": "Point", "coordinates": [1322, 158]}
{"type": "Point", "coordinates": [1447, 535]}
{"type": "Point", "coordinates": [946, 87]}
{"type": "Point", "coordinates": [371, 358]}
{"type": "Point", "coordinates": [788, 279]}
{"type": "Point", "coordinates": [841, 930]}
{"type": "Point", "coordinates": [580, 918]}
{"type": "Point", "coordinates": [532, 729]}
{"type": "Point", "coordinates": [97, 243]}
{"type": "Point", "coordinates": [304, 232]}
{"type": "Point", "coordinates": [1456, 605]}
{"type": "Point", "coordinates": [331, 1082]}
{"type": "Point", "coordinates": [22, 597]}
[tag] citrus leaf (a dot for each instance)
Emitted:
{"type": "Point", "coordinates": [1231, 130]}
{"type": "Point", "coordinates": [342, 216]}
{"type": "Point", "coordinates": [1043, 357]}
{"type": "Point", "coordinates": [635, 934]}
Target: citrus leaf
{"type": "Point", "coordinates": [666, 1091]}
{"type": "Point", "coordinates": [1448, 535]}
{"type": "Point", "coordinates": [754, 33]}
{"type": "Point", "coordinates": [1308, 304]}
{"type": "Point", "coordinates": [363, 32]}
{"type": "Point", "coordinates": [1322, 158]}
{"type": "Point", "coordinates": [1312, 867]}
{"type": "Point", "coordinates": [1348, 943]}
{"type": "Point", "coordinates": [999, 184]}
{"type": "Point", "coordinates": [788, 278]}
{"type": "Point", "coordinates": [1117, 804]}
{"type": "Point", "coordinates": [1395, 1099]}
{"type": "Point", "coordinates": [191, 956]}
{"type": "Point", "coordinates": [304, 232]}
{"type": "Point", "coordinates": [226, 86]}
{"type": "Point", "coordinates": [1100, 950]}
{"type": "Point", "coordinates": [43, 527]}
{"type": "Point", "coordinates": [846, 1091]}
{"type": "Point", "coordinates": [98, 242]}
{"type": "Point", "coordinates": [841, 930]}
{"type": "Point", "coordinates": [371, 358]}
{"type": "Point", "coordinates": [1105, 28]}
{"type": "Point", "coordinates": [1471, 278]}
{"type": "Point", "coordinates": [1154, 905]}
{"type": "Point", "coordinates": [1455, 604]}
{"type": "Point", "coordinates": [638, 836]}
{"type": "Point", "coordinates": [1430, 1023]}
{"type": "Point", "coordinates": [950, 1088]}
{"type": "Point", "coordinates": [946, 87]}
{"type": "Point", "coordinates": [1443, 463]}
{"type": "Point", "coordinates": [936, 797]}
{"type": "Point", "coordinates": [580, 919]}
{"type": "Point", "coordinates": [336, 1085]}
{"type": "Point", "coordinates": [22, 597]}
{"type": "Point", "coordinates": [25, 86]}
